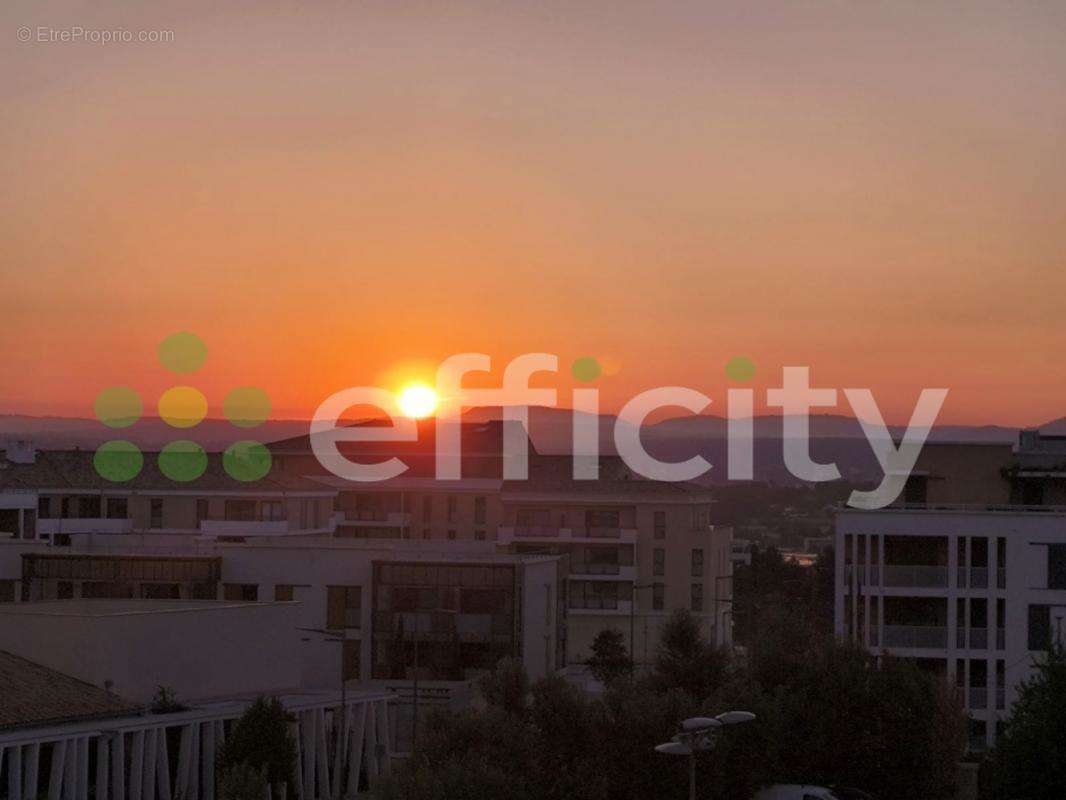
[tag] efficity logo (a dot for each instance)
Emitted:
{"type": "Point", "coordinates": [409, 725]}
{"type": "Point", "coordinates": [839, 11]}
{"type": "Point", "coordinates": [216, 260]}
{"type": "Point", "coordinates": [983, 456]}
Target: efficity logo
{"type": "Point", "coordinates": [181, 407]}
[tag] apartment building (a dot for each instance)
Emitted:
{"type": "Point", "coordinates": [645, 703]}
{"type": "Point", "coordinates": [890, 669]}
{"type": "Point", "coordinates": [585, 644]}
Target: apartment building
{"type": "Point", "coordinates": [52, 495]}
{"type": "Point", "coordinates": [626, 550]}
{"type": "Point", "coordinates": [636, 548]}
{"type": "Point", "coordinates": [966, 573]}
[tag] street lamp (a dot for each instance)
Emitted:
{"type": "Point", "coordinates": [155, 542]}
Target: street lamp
{"type": "Point", "coordinates": [698, 735]}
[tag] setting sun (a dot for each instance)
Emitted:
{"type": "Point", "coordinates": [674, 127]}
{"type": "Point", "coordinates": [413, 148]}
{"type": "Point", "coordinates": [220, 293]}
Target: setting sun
{"type": "Point", "coordinates": [418, 400]}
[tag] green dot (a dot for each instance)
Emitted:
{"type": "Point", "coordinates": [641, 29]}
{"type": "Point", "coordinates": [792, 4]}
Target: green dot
{"type": "Point", "coordinates": [246, 407]}
{"type": "Point", "coordinates": [118, 407]}
{"type": "Point", "coordinates": [740, 368]}
{"type": "Point", "coordinates": [118, 460]}
{"type": "Point", "coordinates": [586, 369]}
{"type": "Point", "coordinates": [182, 352]}
{"type": "Point", "coordinates": [246, 461]}
{"type": "Point", "coordinates": [182, 461]}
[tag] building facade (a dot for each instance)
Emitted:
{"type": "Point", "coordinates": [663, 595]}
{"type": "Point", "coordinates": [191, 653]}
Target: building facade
{"type": "Point", "coordinates": [964, 574]}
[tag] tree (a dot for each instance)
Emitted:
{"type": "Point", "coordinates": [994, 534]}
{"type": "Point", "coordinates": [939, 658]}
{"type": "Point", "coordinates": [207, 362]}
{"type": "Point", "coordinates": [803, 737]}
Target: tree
{"type": "Point", "coordinates": [610, 659]}
{"type": "Point", "coordinates": [1030, 757]}
{"type": "Point", "coordinates": [507, 686]}
{"type": "Point", "coordinates": [242, 782]}
{"type": "Point", "coordinates": [685, 660]}
{"type": "Point", "coordinates": [260, 739]}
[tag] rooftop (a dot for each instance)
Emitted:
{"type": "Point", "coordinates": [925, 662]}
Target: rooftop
{"type": "Point", "coordinates": [97, 608]}
{"type": "Point", "coordinates": [73, 470]}
{"type": "Point", "coordinates": [36, 695]}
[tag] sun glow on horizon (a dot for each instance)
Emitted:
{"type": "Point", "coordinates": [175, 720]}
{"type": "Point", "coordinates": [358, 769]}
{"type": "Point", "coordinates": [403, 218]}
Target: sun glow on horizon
{"type": "Point", "coordinates": [418, 400]}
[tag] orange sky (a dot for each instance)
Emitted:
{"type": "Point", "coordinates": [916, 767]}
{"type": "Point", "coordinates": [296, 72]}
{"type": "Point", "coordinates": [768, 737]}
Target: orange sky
{"type": "Point", "coordinates": [323, 191]}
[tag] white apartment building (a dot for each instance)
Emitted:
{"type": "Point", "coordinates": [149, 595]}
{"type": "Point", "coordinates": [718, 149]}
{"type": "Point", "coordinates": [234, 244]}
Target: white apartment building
{"type": "Point", "coordinates": [966, 574]}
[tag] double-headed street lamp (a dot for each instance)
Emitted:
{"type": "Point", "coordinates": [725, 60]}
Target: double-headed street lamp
{"type": "Point", "coordinates": [697, 735]}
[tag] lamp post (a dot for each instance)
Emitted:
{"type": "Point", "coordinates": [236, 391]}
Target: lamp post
{"type": "Point", "coordinates": [698, 735]}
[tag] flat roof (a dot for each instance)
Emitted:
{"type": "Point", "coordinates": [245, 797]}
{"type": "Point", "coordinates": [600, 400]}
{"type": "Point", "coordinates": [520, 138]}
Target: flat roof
{"type": "Point", "coordinates": [93, 607]}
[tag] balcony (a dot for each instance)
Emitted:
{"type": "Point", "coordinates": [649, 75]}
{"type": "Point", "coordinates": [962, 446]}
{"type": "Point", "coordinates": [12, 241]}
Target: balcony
{"type": "Point", "coordinates": [973, 577]}
{"type": "Point", "coordinates": [373, 518]}
{"type": "Point", "coordinates": [609, 608]}
{"type": "Point", "coordinates": [978, 698]}
{"type": "Point", "coordinates": [916, 636]}
{"type": "Point", "coordinates": [978, 639]}
{"type": "Point", "coordinates": [50, 527]}
{"type": "Point", "coordinates": [600, 571]}
{"type": "Point", "coordinates": [917, 576]}
{"type": "Point", "coordinates": [229, 527]}
{"type": "Point", "coordinates": [548, 534]}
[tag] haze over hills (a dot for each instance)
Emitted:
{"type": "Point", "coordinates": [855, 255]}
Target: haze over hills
{"type": "Point", "coordinates": [834, 438]}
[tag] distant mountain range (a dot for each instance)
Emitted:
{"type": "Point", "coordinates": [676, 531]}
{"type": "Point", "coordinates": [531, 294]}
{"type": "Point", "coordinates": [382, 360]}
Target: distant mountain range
{"type": "Point", "coordinates": [835, 438]}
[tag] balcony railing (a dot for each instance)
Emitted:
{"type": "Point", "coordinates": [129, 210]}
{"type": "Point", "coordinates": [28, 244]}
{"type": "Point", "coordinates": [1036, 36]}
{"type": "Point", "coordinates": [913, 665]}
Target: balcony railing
{"type": "Point", "coordinates": [916, 636]}
{"type": "Point", "coordinates": [373, 518]}
{"type": "Point", "coordinates": [546, 533]}
{"type": "Point", "coordinates": [229, 527]}
{"type": "Point", "coordinates": [978, 697]}
{"type": "Point", "coordinates": [52, 526]}
{"type": "Point", "coordinates": [1001, 638]}
{"type": "Point", "coordinates": [916, 576]}
{"type": "Point", "coordinates": [1001, 578]}
{"type": "Point", "coordinates": [1001, 698]}
{"type": "Point", "coordinates": [978, 577]}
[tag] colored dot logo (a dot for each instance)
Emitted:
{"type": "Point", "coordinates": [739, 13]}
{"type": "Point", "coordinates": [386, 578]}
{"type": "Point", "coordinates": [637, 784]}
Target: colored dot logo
{"type": "Point", "coordinates": [740, 368]}
{"type": "Point", "coordinates": [182, 407]}
{"type": "Point", "coordinates": [586, 369]}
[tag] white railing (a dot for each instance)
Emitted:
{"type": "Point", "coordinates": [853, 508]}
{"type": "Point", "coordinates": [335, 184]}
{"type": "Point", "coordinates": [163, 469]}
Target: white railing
{"type": "Point", "coordinates": [916, 576]}
{"type": "Point", "coordinates": [129, 757]}
{"type": "Point", "coordinates": [50, 526]}
{"type": "Point", "coordinates": [537, 533]}
{"type": "Point", "coordinates": [917, 636]}
{"type": "Point", "coordinates": [227, 527]}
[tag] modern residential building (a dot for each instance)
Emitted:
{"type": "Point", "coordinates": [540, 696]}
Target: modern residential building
{"type": "Point", "coordinates": [966, 573]}
{"type": "Point", "coordinates": [636, 548]}
{"type": "Point", "coordinates": [579, 556]}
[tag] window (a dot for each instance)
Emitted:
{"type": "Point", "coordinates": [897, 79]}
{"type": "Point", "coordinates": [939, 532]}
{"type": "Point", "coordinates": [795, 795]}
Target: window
{"type": "Point", "coordinates": [480, 510]}
{"type": "Point", "coordinates": [453, 508]}
{"type": "Point", "coordinates": [64, 590]}
{"type": "Point", "coordinates": [7, 591]}
{"type": "Point", "coordinates": [697, 563]}
{"type": "Point", "coordinates": [271, 511]}
{"type": "Point", "coordinates": [916, 489]}
{"type": "Point", "coordinates": [284, 592]}
{"type": "Point", "coordinates": [451, 534]}
{"type": "Point", "coordinates": [344, 607]}
{"type": "Point", "coordinates": [118, 508]}
{"type": "Point", "coordinates": [240, 510]}
{"type": "Point", "coordinates": [240, 592]}
{"type": "Point", "coordinates": [602, 519]}
{"type": "Point", "coordinates": [427, 508]}
{"type": "Point", "coordinates": [658, 566]}
{"type": "Point", "coordinates": [155, 513]}
{"type": "Point", "coordinates": [44, 507]}
{"type": "Point", "coordinates": [351, 659]}
{"type": "Point", "coordinates": [658, 596]}
{"type": "Point", "coordinates": [1056, 566]}
{"type": "Point", "coordinates": [701, 517]}
{"type": "Point", "coordinates": [160, 591]}
{"type": "Point", "coordinates": [107, 590]}
{"type": "Point", "coordinates": [660, 524]}
{"type": "Point", "coordinates": [479, 535]}
{"type": "Point", "coordinates": [594, 594]}
{"type": "Point", "coordinates": [68, 507]}
{"type": "Point", "coordinates": [697, 597]}
{"type": "Point", "coordinates": [91, 508]}
{"type": "Point", "coordinates": [1039, 627]}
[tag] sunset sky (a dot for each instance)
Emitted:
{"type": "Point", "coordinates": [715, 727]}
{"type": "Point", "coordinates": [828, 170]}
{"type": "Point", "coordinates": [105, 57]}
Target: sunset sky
{"type": "Point", "coordinates": [343, 193]}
